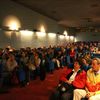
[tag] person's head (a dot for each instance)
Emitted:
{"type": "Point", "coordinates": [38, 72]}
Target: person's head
{"type": "Point", "coordinates": [11, 57]}
{"type": "Point", "coordinates": [84, 61]}
{"type": "Point", "coordinates": [23, 54]}
{"type": "Point", "coordinates": [95, 64]}
{"type": "Point", "coordinates": [76, 65]}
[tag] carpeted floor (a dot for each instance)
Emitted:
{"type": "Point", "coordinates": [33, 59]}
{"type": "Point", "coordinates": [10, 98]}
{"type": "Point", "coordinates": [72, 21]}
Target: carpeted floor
{"type": "Point", "coordinates": [36, 90]}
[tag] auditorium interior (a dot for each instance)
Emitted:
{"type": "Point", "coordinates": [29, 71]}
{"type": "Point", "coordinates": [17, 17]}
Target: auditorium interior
{"type": "Point", "coordinates": [41, 42]}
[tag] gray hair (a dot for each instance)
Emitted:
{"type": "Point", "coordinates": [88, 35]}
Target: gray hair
{"type": "Point", "coordinates": [97, 59]}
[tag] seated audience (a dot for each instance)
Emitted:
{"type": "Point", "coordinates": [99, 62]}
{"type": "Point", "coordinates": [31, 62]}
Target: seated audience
{"type": "Point", "coordinates": [92, 91]}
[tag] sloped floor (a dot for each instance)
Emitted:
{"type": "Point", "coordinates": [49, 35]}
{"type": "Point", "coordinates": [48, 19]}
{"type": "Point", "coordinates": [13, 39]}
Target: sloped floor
{"type": "Point", "coordinates": [36, 90]}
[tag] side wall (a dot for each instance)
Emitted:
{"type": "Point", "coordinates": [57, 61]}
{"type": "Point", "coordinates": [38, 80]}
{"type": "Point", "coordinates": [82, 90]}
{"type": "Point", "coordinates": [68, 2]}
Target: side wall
{"type": "Point", "coordinates": [28, 19]}
{"type": "Point", "coordinates": [88, 36]}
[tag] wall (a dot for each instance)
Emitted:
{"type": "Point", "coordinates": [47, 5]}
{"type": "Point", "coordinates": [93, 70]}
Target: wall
{"type": "Point", "coordinates": [27, 19]}
{"type": "Point", "coordinates": [88, 36]}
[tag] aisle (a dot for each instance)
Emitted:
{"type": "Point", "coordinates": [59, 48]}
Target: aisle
{"type": "Point", "coordinates": [36, 90]}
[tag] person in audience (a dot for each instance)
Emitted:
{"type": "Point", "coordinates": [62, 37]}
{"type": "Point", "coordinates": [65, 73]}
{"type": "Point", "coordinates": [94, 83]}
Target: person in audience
{"type": "Point", "coordinates": [49, 58]}
{"type": "Point", "coordinates": [32, 70]}
{"type": "Point", "coordinates": [71, 79]}
{"type": "Point", "coordinates": [88, 57]}
{"type": "Point", "coordinates": [85, 66]}
{"type": "Point", "coordinates": [23, 67]}
{"type": "Point", "coordinates": [11, 66]}
{"type": "Point", "coordinates": [3, 70]}
{"type": "Point", "coordinates": [72, 55]}
{"type": "Point", "coordinates": [37, 62]}
{"type": "Point", "coordinates": [92, 91]}
{"type": "Point", "coordinates": [43, 66]}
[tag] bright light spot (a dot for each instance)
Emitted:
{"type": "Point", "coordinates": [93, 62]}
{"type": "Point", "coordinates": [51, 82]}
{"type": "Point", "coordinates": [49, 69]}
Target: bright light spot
{"type": "Point", "coordinates": [61, 36]}
{"type": "Point", "coordinates": [65, 33]}
{"type": "Point", "coordinates": [67, 37]}
{"type": "Point", "coordinates": [12, 22]}
{"type": "Point", "coordinates": [42, 29]}
{"type": "Point", "coordinates": [40, 34]}
{"type": "Point", "coordinates": [52, 35]}
{"type": "Point", "coordinates": [75, 40]}
{"type": "Point", "coordinates": [26, 33]}
{"type": "Point", "coordinates": [13, 26]}
{"type": "Point", "coordinates": [71, 37]}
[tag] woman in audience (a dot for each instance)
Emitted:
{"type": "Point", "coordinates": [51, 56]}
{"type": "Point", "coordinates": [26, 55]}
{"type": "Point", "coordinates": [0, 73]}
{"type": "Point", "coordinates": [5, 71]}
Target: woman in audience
{"type": "Point", "coordinates": [72, 55]}
{"type": "Point", "coordinates": [73, 78]}
{"type": "Point", "coordinates": [85, 66]}
{"type": "Point", "coordinates": [11, 65]}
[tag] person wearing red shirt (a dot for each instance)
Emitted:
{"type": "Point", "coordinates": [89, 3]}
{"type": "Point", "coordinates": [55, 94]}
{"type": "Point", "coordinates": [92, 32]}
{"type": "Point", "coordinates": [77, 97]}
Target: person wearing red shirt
{"type": "Point", "coordinates": [73, 79]}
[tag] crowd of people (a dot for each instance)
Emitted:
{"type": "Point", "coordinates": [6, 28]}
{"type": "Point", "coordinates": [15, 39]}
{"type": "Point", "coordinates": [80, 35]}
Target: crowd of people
{"type": "Point", "coordinates": [26, 64]}
{"type": "Point", "coordinates": [80, 81]}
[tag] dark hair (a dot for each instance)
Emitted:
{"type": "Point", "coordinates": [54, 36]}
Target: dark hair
{"type": "Point", "coordinates": [78, 60]}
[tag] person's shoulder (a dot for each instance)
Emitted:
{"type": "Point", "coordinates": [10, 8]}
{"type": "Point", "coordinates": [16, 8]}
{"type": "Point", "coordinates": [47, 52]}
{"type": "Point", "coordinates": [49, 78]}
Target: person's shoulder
{"type": "Point", "coordinates": [82, 72]}
{"type": "Point", "coordinates": [90, 71]}
{"type": "Point", "coordinates": [69, 69]}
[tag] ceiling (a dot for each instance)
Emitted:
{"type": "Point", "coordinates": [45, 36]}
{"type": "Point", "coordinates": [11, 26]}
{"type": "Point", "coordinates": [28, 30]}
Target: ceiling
{"type": "Point", "coordinates": [79, 14]}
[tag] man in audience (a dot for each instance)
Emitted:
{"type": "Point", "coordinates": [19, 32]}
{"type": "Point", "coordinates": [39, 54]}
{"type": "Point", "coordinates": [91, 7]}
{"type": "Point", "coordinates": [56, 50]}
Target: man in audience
{"type": "Point", "coordinates": [92, 91]}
